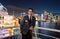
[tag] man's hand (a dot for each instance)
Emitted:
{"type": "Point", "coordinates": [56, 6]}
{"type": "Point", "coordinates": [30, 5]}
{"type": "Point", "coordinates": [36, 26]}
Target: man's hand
{"type": "Point", "coordinates": [31, 28]}
{"type": "Point", "coordinates": [20, 33]}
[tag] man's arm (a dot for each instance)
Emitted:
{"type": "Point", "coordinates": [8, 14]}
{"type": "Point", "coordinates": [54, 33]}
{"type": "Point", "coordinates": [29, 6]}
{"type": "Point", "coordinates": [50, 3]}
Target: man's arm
{"type": "Point", "coordinates": [33, 24]}
{"type": "Point", "coordinates": [22, 24]}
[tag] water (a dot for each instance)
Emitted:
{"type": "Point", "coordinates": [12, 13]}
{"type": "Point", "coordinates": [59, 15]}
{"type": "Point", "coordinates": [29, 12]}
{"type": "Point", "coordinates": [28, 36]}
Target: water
{"type": "Point", "coordinates": [51, 25]}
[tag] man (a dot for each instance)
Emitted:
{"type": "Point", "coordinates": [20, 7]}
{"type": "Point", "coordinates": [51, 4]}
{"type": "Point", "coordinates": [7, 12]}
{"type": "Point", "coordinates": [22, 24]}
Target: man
{"type": "Point", "coordinates": [27, 25]}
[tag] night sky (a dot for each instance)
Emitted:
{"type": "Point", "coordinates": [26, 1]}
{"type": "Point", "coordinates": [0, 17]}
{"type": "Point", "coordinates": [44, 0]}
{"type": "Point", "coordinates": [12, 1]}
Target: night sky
{"type": "Point", "coordinates": [37, 5]}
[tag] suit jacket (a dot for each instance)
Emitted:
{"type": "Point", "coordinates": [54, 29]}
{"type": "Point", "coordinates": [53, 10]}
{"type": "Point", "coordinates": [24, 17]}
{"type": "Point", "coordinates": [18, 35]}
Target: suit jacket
{"type": "Point", "coordinates": [25, 24]}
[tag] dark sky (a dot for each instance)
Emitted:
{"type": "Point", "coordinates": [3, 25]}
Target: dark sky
{"type": "Point", "coordinates": [37, 5]}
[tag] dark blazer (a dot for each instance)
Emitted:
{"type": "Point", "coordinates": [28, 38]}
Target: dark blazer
{"type": "Point", "coordinates": [25, 24]}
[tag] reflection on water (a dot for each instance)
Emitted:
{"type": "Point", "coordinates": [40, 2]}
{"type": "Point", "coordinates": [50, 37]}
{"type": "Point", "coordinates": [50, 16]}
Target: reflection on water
{"type": "Point", "coordinates": [51, 25]}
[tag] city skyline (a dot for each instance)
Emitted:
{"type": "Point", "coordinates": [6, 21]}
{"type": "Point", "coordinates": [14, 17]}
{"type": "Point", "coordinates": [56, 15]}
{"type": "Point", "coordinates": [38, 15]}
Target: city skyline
{"type": "Point", "coordinates": [38, 5]}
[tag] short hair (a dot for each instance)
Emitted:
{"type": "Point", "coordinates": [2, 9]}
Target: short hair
{"type": "Point", "coordinates": [31, 9]}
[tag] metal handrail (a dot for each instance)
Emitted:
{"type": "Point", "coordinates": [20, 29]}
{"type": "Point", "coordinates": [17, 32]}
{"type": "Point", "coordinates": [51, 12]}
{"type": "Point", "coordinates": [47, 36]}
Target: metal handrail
{"type": "Point", "coordinates": [49, 29]}
{"type": "Point", "coordinates": [55, 30]}
{"type": "Point", "coordinates": [45, 35]}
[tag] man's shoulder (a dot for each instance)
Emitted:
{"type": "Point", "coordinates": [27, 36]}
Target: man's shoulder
{"type": "Point", "coordinates": [26, 16]}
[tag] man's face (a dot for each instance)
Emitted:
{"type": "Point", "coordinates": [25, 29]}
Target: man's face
{"type": "Point", "coordinates": [30, 12]}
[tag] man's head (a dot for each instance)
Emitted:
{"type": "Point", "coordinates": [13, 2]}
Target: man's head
{"type": "Point", "coordinates": [30, 11]}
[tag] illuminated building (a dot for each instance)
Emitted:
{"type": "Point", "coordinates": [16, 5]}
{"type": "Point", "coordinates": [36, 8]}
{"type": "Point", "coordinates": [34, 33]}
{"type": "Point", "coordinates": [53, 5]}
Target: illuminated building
{"type": "Point", "coordinates": [37, 16]}
{"type": "Point", "coordinates": [44, 16]}
{"type": "Point", "coordinates": [56, 18]}
{"type": "Point", "coordinates": [8, 23]}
